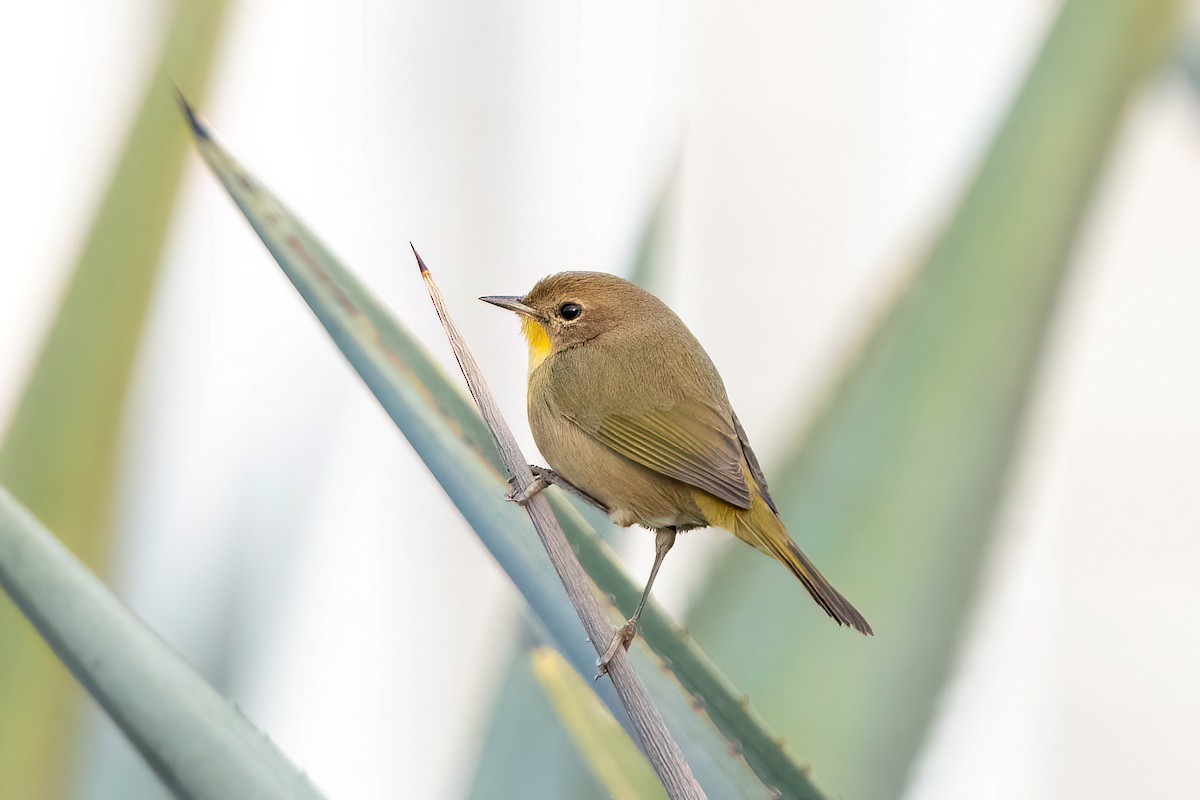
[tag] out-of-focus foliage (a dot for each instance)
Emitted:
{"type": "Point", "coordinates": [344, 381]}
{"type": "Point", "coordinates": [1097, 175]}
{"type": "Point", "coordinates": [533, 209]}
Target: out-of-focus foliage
{"type": "Point", "coordinates": [58, 455]}
{"type": "Point", "coordinates": [198, 742]}
{"type": "Point", "coordinates": [702, 711]}
{"type": "Point", "coordinates": [894, 486]}
{"type": "Point", "coordinates": [506, 747]}
{"type": "Point", "coordinates": [613, 757]}
{"type": "Point", "coordinates": [649, 260]}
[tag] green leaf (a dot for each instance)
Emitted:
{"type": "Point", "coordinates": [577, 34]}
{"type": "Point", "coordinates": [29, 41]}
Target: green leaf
{"type": "Point", "coordinates": [526, 746]}
{"type": "Point", "coordinates": [723, 739]}
{"type": "Point", "coordinates": [59, 452]}
{"type": "Point", "coordinates": [613, 757]}
{"type": "Point", "coordinates": [195, 740]}
{"type": "Point", "coordinates": [895, 486]}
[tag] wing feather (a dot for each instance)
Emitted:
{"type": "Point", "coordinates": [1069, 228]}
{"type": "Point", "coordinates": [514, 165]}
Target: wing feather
{"type": "Point", "coordinates": [677, 423]}
{"type": "Point", "coordinates": [752, 462]}
{"type": "Point", "coordinates": [689, 441]}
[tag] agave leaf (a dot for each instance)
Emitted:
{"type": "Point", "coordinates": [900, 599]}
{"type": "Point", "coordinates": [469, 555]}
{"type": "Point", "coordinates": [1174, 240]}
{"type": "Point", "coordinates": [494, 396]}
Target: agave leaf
{"type": "Point", "coordinates": [723, 739]}
{"type": "Point", "coordinates": [893, 489]}
{"type": "Point", "coordinates": [58, 455]}
{"type": "Point", "coordinates": [525, 745]}
{"type": "Point", "coordinates": [613, 757]}
{"type": "Point", "coordinates": [198, 742]}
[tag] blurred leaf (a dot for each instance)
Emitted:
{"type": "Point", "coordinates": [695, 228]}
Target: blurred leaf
{"type": "Point", "coordinates": [59, 453]}
{"type": "Point", "coordinates": [894, 488]}
{"type": "Point", "coordinates": [1188, 60]}
{"type": "Point", "coordinates": [702, 712]}
{"type": "Point", "coordinates": [649, 260]}
{"type": "Point", "coordinates": [525, 745]}
{"type": "Point", "coordinates": [265, 517]}
{"type": "Point", "coordinates": [613, 757]}
{"type": "Point", "coordinates": [198, 742]}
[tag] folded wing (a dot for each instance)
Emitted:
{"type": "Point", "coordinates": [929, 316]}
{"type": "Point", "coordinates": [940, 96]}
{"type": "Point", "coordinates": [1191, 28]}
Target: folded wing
{"type": "Point", "coordinates": [689, 441]}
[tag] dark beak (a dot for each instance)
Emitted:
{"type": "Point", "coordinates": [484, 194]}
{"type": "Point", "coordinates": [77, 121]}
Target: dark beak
{"type": "Point", "coordinates": [512, 304]}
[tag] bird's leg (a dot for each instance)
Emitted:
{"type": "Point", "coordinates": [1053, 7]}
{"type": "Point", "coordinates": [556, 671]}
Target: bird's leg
{"type": "Point", "coordinates": [549, 476]}
{"type": "Point", "coordinates": [664, 539]}
{"type": "Point", "coordinates": [543, 477]}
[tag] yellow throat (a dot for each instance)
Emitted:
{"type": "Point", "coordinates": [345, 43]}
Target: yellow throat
{"type": "Point", "coordinates": [539, 342]}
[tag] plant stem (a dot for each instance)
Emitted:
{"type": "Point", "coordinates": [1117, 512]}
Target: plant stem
{"type": "Point", "coordinates": [660, 747]}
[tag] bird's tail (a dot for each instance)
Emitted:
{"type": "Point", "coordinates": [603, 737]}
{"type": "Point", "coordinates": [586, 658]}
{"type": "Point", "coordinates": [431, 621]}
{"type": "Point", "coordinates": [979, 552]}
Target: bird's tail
{"type": "Point", "coordinates": [762, 529]}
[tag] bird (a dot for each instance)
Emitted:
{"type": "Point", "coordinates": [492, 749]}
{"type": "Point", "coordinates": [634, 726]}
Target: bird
{"type": "Point", "coordinates": [632, 416]}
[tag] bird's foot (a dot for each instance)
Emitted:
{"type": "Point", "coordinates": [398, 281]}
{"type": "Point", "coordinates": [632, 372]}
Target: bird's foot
{"type": "Point", "coordinates": [623, 638]}
{"type": "Point", "coordinates": [523, 496]}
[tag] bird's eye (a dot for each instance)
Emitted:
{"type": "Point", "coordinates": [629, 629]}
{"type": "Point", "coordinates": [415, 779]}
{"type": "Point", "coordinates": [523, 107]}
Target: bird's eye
{"type": "Point", "coordinates": [570, 311]}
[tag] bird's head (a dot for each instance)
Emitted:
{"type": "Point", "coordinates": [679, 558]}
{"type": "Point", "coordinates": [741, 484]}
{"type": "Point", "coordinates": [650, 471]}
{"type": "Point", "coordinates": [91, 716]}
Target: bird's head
{"type": "Point", "coordinates": [570, 309]}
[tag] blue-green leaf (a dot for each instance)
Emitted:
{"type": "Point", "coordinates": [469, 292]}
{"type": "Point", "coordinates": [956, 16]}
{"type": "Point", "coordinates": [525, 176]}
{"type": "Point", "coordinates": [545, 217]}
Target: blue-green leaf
{"type": "Point", "coordinates": [198, 742]}
{"type": "Point", "coordinates": [893, 489]}
{"type": "Point", "coordinates": [612, 756]}
{"type": "Point", "coordinates": [59, 454]}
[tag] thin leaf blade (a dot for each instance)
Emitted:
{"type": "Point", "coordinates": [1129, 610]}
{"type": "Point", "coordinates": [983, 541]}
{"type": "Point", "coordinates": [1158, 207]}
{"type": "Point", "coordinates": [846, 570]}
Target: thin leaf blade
{"type": "Point", "coordinates": [198, 743]}
{"type": "Point", "coordinates": [59, 453]}
{"type": "Point", "coordinates": [613, 757]}
{"type": "Point", "coordinates": [525, 745]}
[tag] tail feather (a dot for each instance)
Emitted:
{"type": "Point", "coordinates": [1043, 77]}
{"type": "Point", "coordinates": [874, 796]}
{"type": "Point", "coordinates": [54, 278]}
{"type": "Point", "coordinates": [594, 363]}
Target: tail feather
{"type": "Point", "coordinates": [822, 591]}
{"type": "Point", "coordinates": [762, 529]}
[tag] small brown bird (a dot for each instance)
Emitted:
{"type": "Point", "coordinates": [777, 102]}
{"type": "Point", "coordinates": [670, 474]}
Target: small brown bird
{"type": "Point", "coordinates": [632, 416]}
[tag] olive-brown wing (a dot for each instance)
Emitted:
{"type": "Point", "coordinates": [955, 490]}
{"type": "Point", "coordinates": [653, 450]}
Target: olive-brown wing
{"type": "Point", "coordinates": [689, 441]}
{"type": "Point", "coordinates": [655, 399]}
{"type": "Point", "coordinates": [752, 462]}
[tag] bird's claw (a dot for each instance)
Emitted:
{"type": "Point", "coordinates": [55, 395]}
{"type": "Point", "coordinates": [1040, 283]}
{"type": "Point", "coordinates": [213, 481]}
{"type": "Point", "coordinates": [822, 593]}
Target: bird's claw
{"type": "Point", "coordinates": [622, 638]}
{"type": "Point", "coordinates": [523, 496]}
